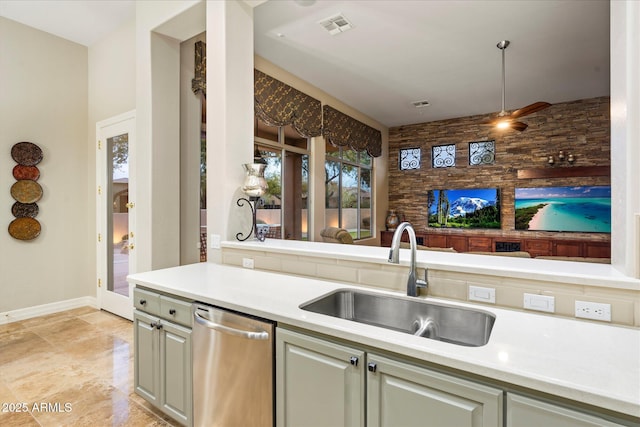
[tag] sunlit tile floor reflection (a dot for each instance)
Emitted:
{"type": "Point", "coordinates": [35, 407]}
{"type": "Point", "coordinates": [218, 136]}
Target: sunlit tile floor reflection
{"type": "Point", "coordinates": [73, 368]}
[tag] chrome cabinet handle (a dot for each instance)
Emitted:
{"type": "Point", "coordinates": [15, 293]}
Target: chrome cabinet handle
{"type": "Point", "coordinates": [372, 367]}
{"type": "Point", "coordinates": [353, 360]}
{"type": "Point", "coordinates": [172, 311]}
{"type": "Point", "coordinates": [143, 302]}
{"type": "Point", "coordinates": [231, 331]}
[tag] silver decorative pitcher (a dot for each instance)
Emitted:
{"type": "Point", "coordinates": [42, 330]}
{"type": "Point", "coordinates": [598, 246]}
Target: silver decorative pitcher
{"type": "Point", "coordinates": [254, 183]}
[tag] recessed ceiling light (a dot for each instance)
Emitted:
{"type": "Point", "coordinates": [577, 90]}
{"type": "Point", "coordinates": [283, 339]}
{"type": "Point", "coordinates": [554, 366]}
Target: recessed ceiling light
{"type": "Point", "coordinates": [336, 24]}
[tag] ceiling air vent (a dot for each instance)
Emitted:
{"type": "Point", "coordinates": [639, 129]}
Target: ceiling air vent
{"type": "Point", "coordinates": [336, 24]}
{"type": "Point", "coordinates": [420, 104]}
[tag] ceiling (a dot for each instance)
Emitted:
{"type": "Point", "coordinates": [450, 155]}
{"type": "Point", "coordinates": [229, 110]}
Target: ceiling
{"type": "Point", "coordinates": [83, 22]}
{"type": "Point", "coordinates": [399, 52]}
{"type": "Point", "coordinates": [444, 52]}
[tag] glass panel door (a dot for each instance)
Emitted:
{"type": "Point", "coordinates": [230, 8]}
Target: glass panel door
{"type": "Point", "coordinates": [115, 213]}
{"type": "Point", "coordinates": [118, 214]}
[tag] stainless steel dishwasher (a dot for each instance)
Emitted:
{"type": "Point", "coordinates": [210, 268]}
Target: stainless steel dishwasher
{"type": "Point", "coordinates": [232, 369]}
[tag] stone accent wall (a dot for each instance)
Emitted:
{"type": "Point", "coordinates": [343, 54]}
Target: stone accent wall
{"type": "Point", "coordinates": [581, 128]}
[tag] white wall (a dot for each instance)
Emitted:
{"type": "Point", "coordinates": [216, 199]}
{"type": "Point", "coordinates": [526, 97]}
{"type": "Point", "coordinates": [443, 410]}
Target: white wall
{"type": "Point", "coordinates": [625, 136]}
{"type": "Point", "coordinates": [43, 99]}
{"type": "Point", "coordinates": [160, 27]}
{"type": "Point", "coordinates": [112, 91]}
{"type": "Point", "coordinates": [190, 125]}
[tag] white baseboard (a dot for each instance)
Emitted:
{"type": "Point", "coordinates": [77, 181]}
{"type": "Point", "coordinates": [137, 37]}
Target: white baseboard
{"type": "Point", "coordinates": [41, 310]}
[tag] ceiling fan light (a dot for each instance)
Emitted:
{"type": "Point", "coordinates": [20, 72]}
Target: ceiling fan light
{"type": "Point", "coordinates": [503, 124]}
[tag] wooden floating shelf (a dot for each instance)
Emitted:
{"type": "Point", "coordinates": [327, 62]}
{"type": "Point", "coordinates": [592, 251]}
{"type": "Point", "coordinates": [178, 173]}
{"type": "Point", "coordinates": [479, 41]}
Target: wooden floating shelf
{"type": "Point", "coordinates": [563, 172]}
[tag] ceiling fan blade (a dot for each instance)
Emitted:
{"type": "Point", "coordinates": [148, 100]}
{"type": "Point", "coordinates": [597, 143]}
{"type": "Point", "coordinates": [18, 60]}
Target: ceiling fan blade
{"type": "Point", "coordinates": [530, 109]}
{"type": "Point", "coordinates": [519, 126]}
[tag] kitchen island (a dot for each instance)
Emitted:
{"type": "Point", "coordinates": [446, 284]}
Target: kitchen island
{"type": "Point", "coordinates": [594, 364]}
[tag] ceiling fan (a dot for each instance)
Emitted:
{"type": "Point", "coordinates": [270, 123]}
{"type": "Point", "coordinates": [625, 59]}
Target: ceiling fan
{"type": "Point", "coordinates": [506, 120]}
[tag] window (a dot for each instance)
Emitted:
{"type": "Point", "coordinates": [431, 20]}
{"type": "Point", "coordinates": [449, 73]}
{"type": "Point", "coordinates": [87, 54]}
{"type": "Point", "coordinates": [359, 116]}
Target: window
{"type": "Point", "coordinates": [348, 191]}
{"type": "Point", "coordinates": [285, 205]}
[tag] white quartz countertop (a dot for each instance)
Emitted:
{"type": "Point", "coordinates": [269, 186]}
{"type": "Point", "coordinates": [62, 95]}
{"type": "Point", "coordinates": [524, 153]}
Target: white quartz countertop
{"type": "Point", "coordinates": [597, 364]}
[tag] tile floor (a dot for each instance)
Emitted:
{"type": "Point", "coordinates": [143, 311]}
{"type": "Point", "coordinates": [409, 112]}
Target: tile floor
{"type": "Point", "coordinates": [73, 368]}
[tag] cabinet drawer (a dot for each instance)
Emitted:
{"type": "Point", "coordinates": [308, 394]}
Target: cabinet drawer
{"type": "Point", "coordinates": [176, 310]}
{"type": "Point", "coordinates": [146, 301]}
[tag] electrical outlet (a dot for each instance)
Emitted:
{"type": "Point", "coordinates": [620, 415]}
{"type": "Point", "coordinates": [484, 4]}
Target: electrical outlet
{"type": "Point", "coordinates": [593, 310]}
{"type": "Point", "coordinates": [247, 262]}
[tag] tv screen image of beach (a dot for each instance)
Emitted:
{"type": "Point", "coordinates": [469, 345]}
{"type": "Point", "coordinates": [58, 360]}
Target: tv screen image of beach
{"type": "Point", "coordinates": [464, 208]}
{"type": "Point", "coordinates": [585, 209]}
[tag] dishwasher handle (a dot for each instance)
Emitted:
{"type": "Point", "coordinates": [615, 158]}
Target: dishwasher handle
{"type": "Point", "coordinates": [263, 335]}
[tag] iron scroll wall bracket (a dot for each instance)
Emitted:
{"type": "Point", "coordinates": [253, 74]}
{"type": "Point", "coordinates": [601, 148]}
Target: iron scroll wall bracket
{"type": "Point", "coordinates": [253, 203]}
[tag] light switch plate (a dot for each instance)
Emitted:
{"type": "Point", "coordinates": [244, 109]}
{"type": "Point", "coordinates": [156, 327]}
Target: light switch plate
{"type": "Point", "coordinates": [540, 302]}
{"type": "Point", "coordinates": [482, 294]}
{"type": "Point", "coordinates": [215, 241]}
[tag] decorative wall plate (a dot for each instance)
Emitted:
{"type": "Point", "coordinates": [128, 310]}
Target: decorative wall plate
{"type": "Point", "coordinates": [26, 153]}
{"type": "Point", "coordinates": [24, 228]}
{"type": "Point", "coordinates": [26, 172]}
{"type": "Point", "coordinates": [26, 191]}
{"type": "Point", "coordinates": [22, 210]}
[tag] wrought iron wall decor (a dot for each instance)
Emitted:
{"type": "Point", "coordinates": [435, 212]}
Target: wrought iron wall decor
{"type": "Point", "coordinates": [482, 153]}
{"type": "Point", "coordinates": [443, 156]}
{"type": "Point", "coordinates": [409, 158]}
{"type": "Point", "coordinates": [26, 191]}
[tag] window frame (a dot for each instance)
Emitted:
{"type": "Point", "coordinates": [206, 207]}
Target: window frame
{"type": "Point", "coordinates": [359, 165]}
{"type": "Point", "coordinates": [282, 147]}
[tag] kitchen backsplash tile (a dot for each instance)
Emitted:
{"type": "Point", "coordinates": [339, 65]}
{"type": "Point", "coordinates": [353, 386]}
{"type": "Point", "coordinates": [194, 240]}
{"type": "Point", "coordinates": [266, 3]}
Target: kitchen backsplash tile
{"type": "Point", "coordinates": [625, 304]}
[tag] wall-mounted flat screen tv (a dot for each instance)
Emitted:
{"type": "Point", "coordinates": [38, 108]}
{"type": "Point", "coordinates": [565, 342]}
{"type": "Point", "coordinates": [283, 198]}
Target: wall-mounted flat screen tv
{"type": "Point", "coordinates": [464, 208]}
{"type": "Point", "coordinates": [585, 209]}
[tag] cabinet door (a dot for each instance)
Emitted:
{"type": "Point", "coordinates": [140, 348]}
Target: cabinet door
{"type": "Point", "coordinates": [175, 371]}
{"type": "Point", "coordinates": [526, 412]}
{"type": "Point", "coordinates": [401, 394]}
{"type": "Point", "coordinates": [317, 382]}
{"type": "Point", "coordinates": [146, 356]}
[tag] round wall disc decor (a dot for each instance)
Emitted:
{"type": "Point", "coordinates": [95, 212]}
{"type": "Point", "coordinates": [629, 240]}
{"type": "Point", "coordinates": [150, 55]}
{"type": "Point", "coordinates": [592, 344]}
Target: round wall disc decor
{"type": "Point", "coordinates": [26, 153]}
{"type": "Point", "coordinates": [21, 210]}
{"type": "Point", "coordinates": [24, 228]}
{"type": "Point", "coordinates": [26, 191]}
{"type": "Point", "coordinates": [26, 172]}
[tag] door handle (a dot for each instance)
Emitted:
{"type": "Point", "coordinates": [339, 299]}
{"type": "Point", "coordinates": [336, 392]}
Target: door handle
{"type": "Point", "coordinates": [262, 335]}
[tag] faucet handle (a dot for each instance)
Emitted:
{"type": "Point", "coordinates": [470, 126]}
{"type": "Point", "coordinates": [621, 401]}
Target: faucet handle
{"type": "Point", "coordinates": [423, 283]}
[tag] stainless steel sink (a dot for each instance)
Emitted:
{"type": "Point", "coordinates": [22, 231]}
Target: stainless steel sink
{"type": "Point", "coordinates": [457, 325]}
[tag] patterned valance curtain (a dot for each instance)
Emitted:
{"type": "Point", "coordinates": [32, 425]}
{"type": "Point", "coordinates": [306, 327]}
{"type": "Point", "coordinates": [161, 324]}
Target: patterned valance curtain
{"type": "Point", "coordinates": [342, 130]}
{"type": "Point", "coordinates": [278, 104]}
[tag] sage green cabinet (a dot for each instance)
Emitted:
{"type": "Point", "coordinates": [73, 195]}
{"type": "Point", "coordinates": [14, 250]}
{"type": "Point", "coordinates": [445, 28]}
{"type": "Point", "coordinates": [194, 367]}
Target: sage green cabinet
{"type": "Point", "coordinates": [319, 383]}
{"type": "Point", "coordinates": [402, 394]}
{"type": "Point", "coordinates": [528, 412]}
{"type": "Point", "coordinates": [323, 383]}
{"type": "Point", "coordinates": [162, 355]}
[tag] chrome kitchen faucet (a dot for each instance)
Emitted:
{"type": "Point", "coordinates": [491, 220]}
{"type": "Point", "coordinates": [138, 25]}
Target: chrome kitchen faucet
{"type": "Point", "coordinates": [413, 283]}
